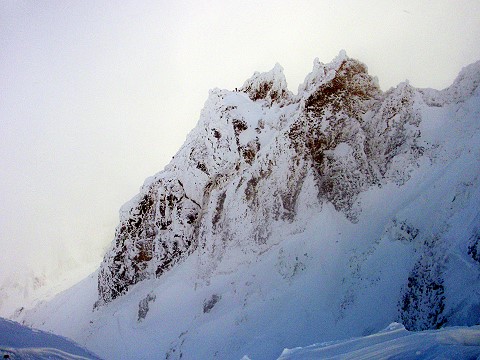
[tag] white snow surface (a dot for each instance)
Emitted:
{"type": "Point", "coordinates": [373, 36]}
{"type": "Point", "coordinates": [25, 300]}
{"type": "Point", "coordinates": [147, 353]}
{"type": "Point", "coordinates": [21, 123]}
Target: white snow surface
{"type": "Point", "coordinates": [460, 343]}
{"type": "Point", "coordinates": [318, 277]}
{"type": "Point", "coordinates": [20, 342]}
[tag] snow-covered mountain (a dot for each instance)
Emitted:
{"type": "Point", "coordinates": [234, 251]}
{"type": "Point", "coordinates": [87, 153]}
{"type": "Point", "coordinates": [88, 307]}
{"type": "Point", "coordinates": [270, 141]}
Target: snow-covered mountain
{"type": "Point", "coordinates": [286, 220]}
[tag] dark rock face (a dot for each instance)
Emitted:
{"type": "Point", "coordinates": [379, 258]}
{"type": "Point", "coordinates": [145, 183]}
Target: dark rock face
{"type": "Point", "coordinates": [143, 306]}
{"type": "Point", "coordinates": [333, 116]}
{"type": "Point", "coordinates": [209, 304]}
{"type": "Point", "coordinates": [423, 302]}
{"type": "Point", "coordinates": [474, 246]}
{"type": "Point", "coordinates": [239, 173]}
{"type": "Point", "coordinates": [373, 127]}
{"type": "Point", "coordinates": [164, 209]}
{"type": "Point", "coordinates": [345, 93]}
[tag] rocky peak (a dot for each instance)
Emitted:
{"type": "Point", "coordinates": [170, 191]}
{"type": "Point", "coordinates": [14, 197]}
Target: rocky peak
{"type": "Point", "coordinates": [320, 74]}
{"type": "Point", "coordinates": [339, 86]}
{"type": "Point", "coordinates": [243, 169]}
{"type": "Point", "coordinates": [270, 86]}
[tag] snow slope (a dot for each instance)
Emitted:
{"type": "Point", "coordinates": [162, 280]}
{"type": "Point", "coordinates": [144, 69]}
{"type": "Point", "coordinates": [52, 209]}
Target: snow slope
{"type": "Point", "coordinates": [397, 343]}
{"type": "Point", "coordinates": [24, 288]}
{"type": "Point", "coordinates": [20, 342]}
{"type": "Point", "coordinates": [287, 220]}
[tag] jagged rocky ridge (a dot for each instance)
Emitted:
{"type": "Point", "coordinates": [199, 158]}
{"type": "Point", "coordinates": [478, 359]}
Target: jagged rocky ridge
{"type": "Point", "coordinates": [242, 169]}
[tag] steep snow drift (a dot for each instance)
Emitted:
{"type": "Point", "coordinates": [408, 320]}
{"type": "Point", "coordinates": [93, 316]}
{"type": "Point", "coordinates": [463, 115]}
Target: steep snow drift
{"type": "Point", "coordinates": [286, 220]}
{"type": "Point", "coordinates": [397, 343]}
{"type": "Point", "coordinates": [20, 342]}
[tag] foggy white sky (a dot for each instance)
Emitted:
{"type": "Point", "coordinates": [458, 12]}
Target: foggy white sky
{"type": "Point", "coordinates": [97, 95]}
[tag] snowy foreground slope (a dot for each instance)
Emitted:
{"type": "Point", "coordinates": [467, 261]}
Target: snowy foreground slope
{"type": "Point", "coordinates": [20, 342]}
{"type": "Point", "coordinates": [287, 220]}
{"type": "Point", "coordinates": [396, 343]}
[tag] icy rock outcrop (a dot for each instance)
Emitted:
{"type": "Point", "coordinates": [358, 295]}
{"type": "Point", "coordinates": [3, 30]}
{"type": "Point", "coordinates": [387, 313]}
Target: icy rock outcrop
{"type": "Point", "coordinates": [270, 86]}
{"type": "Point", "coordinates": [474, 246]}
{"type": "Point", "coordinates": [157, 232]}
{"type": "Point", "coordinates": [423, 302]}
{"type": "Point", "coordinates": [244, 166]}
{"type": "Point", "coordinates": [143, 306]}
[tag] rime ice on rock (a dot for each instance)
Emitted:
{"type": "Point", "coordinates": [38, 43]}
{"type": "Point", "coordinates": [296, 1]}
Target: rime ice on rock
{"type": "Point", "coordinates": [270, 86]}
{"type": "Point", "coordinates": [243, 167]}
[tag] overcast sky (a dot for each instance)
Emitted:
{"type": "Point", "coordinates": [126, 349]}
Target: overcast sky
{"type": "Point", "coordinates": [95, 96]}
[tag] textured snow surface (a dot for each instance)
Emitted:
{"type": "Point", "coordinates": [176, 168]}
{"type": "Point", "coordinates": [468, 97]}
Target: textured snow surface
{"type": "Point", "coordinates": [20, 342]}
{"type": "Point", "coordinates": [285, 221]}
{"type": "Point", "coordinates": [397, 343]}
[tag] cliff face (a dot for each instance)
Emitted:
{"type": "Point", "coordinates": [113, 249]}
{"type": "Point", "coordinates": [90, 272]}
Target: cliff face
{"type": "Point", "coordinates": [251, 150]}
{"type": "Point", "coordinates": [256, 151]}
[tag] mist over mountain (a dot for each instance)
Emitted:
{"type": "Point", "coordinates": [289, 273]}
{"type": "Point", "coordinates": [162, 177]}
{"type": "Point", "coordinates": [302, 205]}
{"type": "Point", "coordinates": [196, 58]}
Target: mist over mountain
{"type": "Point", "coordinates": [286, 220]}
